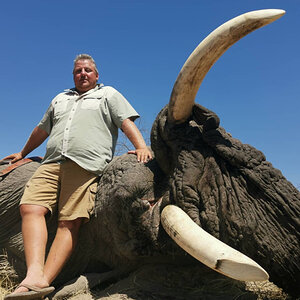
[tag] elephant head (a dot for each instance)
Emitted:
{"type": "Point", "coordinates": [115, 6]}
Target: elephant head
{"type": "Point", "coordinates": [226, 187]}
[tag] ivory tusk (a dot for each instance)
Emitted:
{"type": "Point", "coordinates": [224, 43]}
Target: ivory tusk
{"type": "Point", "coordinates": [207, 53]}
{"type": "Point", "coordinates": [208, 249]}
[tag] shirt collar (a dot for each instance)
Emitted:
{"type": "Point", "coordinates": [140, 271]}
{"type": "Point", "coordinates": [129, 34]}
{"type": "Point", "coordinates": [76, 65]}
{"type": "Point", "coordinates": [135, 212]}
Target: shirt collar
{"type": "Point", "coordinates": [73, 90]}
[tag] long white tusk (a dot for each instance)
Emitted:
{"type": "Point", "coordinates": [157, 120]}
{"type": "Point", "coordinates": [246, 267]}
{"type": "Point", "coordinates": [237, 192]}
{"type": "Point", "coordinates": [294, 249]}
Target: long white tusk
{"type": "Point", "coordinates": [207, 53]}
{"type": "Point", "coordinates": [207, 249]}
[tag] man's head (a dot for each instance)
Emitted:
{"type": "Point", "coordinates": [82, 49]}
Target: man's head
{"type": "Point", "coordinates": [85, 73]}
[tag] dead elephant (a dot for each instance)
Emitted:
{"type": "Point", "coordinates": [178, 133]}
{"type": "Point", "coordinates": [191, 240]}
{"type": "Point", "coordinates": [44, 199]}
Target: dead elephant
{"type": "Point", "coordinates": [226, 187]}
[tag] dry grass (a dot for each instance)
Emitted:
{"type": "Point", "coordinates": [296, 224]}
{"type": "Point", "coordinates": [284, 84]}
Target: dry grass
{"type": "Point", "coordinates": [266, 290]}
{"type": "Point", "coordinates": [7, 276]}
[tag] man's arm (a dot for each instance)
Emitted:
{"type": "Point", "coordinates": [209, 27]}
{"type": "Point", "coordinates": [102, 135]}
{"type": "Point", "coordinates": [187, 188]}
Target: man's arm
{"type": "Point", "coordinates": [36, 138]}
{"type": "Point", "coordinates": [131, 131]}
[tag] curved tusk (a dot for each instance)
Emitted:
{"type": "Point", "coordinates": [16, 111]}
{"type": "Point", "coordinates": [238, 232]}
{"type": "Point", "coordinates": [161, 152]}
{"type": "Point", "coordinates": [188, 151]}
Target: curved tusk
{"type": "Point", "coordinates": [207, 249]}
{"type": "Point", "coordinates": [207, 53]}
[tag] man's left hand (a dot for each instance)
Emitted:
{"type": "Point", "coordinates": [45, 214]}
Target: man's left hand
{"type": "Point", "coordinates": [143, 154]}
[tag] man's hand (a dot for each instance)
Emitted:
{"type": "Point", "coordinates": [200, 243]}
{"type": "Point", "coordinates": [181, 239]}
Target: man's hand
{"type": "Point", "coordinates": [141, 151]}
{"type": "Point", "coordinates": [13, 157]}
{"type": "Point", "coordinates": [143, 154]}
{"type": "Point", "coordinates": [36, 138]}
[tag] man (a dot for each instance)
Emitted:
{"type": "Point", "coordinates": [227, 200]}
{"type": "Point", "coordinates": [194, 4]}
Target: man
{"type": "Point", "coordinates": [82, 125]}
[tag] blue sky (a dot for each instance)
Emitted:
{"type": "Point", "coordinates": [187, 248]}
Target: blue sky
{"type": "Point", "coordinates": [140, 47]}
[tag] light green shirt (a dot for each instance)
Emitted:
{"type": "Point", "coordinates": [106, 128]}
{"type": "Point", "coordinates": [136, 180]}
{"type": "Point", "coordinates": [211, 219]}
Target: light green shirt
{"type": "Point", "coordinates": [84, 127]}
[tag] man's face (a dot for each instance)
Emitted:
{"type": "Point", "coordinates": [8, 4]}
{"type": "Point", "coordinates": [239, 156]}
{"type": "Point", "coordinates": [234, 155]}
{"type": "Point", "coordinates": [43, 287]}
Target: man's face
{"type": "Point", "coordinates": [84, 75]}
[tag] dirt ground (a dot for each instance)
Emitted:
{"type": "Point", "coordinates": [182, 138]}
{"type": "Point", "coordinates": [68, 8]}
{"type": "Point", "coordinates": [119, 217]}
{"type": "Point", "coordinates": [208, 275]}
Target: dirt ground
{"type": "Point", "coordinates": [167, 282]}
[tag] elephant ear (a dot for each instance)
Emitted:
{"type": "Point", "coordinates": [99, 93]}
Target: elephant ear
{"type": "Point", "coordinates": [251, 163]}
{"type": "Point", "coordinates": [263, 181]}
{"type": "Point", "coordinates": [232, 150]}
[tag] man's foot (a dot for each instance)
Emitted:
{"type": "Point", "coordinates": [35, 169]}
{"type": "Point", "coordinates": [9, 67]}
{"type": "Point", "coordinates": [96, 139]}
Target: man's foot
{"type": "Point", "coordinates": [35, 281]}
{"type": "Point", "coordinates": [32, 292]}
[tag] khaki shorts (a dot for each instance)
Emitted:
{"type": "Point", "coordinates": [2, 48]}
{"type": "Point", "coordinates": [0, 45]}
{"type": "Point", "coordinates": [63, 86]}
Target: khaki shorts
{"type": "Point", "coordinates": [65, 186]}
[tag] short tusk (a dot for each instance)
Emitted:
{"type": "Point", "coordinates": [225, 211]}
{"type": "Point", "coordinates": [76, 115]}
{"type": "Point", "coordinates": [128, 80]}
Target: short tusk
{"type": "Point", "coordinates": [207, 53]}
{"type": "Point", "coordinates": [207, 249]}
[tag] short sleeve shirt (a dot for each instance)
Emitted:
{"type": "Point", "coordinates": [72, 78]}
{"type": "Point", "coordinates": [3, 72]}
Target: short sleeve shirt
{"type": "Point", "coordinates": [84, 127]}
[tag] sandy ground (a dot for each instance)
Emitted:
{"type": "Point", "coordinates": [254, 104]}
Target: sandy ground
{"type": "Point", "coordinates": [165, 282]}
{"type": "Point", "coordinates": [159, 282]}
{"type": "Point", "coordinates": [127, 290]}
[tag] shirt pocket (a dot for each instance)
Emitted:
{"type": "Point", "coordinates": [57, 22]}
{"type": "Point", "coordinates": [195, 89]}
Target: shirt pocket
{"type": "Point", "coordinates": [60, 107]}
{"type": "Point", "coordinates": [90, 103]}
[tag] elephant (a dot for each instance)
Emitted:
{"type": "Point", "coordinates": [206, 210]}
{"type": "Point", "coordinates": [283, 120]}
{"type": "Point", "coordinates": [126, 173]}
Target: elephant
{"type": "Point", "coordinates": [227, 188]}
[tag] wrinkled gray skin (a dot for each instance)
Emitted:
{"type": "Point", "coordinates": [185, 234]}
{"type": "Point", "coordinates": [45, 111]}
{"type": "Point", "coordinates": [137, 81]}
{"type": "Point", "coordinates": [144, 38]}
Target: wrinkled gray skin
{"type": "Point", "coordinates": [226, 187]}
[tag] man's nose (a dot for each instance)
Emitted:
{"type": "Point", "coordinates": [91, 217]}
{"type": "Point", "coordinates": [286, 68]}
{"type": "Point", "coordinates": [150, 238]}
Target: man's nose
{"type": "Point", "coordinates": [83, 72]}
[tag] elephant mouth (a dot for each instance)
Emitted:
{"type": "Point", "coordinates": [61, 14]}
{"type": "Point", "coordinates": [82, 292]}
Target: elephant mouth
{"type": "Point", "coordinates": [187, 234]}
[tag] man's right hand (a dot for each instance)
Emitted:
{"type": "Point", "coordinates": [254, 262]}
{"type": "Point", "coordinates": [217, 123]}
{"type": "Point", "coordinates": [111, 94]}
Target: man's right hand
{"type": "Point", "coordinates": [36, 138]}
{"type": "Point", "coordinates": [13, 157]}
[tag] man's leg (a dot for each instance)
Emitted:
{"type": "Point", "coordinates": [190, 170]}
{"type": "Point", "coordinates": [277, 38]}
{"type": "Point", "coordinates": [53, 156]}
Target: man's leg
{"type": "Point", "coordinates": [75, 201]}
{"type": "Point", "coordinates": [62, 247]}
{"type": "Point", "coordinates": [35, 236]}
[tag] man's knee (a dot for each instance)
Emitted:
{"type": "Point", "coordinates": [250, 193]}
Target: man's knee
{"type": "Point", "coordinates": [71, 225]}
{"type": "Point", "coordinates": [32, 209]}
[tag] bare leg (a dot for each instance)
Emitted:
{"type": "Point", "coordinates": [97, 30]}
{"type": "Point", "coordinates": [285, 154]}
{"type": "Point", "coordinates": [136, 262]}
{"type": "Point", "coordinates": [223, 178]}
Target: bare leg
{"type": "Point", "coordinates": [35, 235]}
{"type": "Point", "coordinates": [62, 247]}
